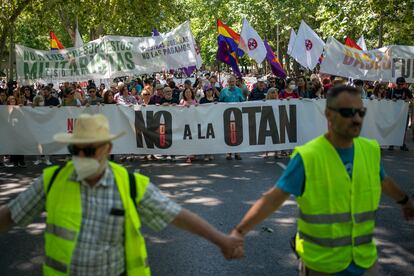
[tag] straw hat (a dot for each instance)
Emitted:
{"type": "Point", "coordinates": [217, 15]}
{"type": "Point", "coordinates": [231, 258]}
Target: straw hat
{"type": "Point", "coordinates": [88, 129]}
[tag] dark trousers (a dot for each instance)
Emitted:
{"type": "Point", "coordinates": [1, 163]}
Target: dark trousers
{"type": "Point", "coordinates": [17, 159]}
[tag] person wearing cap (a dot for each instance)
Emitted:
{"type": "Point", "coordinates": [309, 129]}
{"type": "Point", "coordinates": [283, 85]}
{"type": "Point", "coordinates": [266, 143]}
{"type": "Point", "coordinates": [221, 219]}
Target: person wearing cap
{"type": "Point", "coordinates": [95, 209]}
{"type": "Point", "coordinates": [338, 180]}
{"type": "Point", "coordinates": [400, 92]}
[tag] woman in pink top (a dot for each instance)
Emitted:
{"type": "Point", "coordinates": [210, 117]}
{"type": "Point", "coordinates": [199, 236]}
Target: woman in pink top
{"type": "Point", "coordinates": [187, 100]}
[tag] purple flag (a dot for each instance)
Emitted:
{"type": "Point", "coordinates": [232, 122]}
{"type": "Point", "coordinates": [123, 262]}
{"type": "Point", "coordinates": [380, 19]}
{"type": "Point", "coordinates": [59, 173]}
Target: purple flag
{"type": "Point", "coordinates": [155, 32]}
{"type": "Point", "coordinates": [188, 70]}
{"type": "Point", "coordinates": [227, 56]}
{"type": "Point", "coordinates": [277, 68]}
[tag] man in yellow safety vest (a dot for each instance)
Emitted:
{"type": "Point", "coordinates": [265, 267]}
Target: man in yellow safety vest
{"type": "Point", "coordinates": [337, 179]}
{"type": "Point", "coordinates": [95, 209]}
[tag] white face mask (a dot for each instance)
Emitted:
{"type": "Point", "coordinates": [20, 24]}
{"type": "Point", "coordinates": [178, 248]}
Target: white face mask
{"type": "Point", "coordinates": [292, 87]}
{"type": "Point", "coordinates": [86, 167]}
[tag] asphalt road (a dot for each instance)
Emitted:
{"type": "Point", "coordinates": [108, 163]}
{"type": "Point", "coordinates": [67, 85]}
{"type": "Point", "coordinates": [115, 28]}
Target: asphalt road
{"type": "Point", "coordinates": [221, 191]}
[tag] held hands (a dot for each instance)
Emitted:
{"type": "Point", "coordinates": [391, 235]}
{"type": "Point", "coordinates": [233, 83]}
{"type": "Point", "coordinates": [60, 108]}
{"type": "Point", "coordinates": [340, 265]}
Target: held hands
{"type": "Point", "coordinates": [232, 247]}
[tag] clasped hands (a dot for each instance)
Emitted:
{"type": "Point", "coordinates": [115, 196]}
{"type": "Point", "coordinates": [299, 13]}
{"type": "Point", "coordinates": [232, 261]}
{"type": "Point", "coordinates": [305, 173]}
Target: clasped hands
{"type": "Point", "coordinates": [232, 246]}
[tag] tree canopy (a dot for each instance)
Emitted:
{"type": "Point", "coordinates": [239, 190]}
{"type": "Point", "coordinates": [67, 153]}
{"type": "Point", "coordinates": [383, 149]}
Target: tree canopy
{"type": "Point", "coordinates": [28, 22]}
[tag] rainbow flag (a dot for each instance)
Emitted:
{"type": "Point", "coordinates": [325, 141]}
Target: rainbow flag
{"type": "Point", "coordinates": [55, 44]}
{"type": "Point", "coordinates": [228, 51]}
{"type": "Point", "coordinates": [231, 37]}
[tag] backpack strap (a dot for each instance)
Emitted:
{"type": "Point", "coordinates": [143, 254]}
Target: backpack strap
{"type": "Point", "coordinates": [132, 188]}
{"type": "Point", "coordinates": [55, 173]}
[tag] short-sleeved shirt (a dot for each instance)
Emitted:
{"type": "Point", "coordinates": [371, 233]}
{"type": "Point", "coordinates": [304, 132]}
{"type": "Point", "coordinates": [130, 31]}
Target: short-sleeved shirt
{"type": "Point", "coordinates": [292, 181]}
{"type": "Point", "coordinates": [231, 95]}
{"type": "Point", "coordinates": [399, 94]}
{"type": "Point", "coordinates": [52, 101]}
{"type": "Point", "coordinates": [100, 246]}
{"type": "Point", "coordinates": [95, 101]}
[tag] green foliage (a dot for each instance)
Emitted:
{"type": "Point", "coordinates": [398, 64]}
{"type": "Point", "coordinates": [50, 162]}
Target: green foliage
{"type": "Point", "coordinates": [337, 18]}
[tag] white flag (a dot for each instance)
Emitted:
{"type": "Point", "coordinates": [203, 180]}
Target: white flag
{"type": "Point", "coordinates": [199, 61]}
{"type": "Point", "coordinates": [361, 43]}
{"type": "Point", "coordinates": [308, 47]}
{"type": "Point", "coordinates": [251, 43]}
{"type": "Point", "coordinates": [291, 41]}
{"type": "Point", "coordinates": [78, 38]}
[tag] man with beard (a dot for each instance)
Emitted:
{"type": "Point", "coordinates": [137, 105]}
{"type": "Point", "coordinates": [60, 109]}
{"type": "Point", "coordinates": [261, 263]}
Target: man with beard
{"type": "Point", "coordinates": [337, 179]}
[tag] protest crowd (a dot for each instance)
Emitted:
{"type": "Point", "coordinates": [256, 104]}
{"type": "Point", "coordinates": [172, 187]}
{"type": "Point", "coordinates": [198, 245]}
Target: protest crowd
{"type": "Point", "coordinates": [203, 87]}
{"type": "Point", "coordinates": [335, 177]}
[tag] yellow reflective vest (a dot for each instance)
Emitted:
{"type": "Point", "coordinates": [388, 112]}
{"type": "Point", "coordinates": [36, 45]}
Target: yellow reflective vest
{"type": "Point", "coordinates": [336, 213]}
{"type": "Point", "coordinates": [64, 216]}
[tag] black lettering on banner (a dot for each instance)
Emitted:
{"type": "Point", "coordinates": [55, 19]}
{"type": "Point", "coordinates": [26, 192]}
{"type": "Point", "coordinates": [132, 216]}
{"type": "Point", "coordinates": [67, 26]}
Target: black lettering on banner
{"type": "Point", "coordinates": [288, 125]}
{"type": "Point", "coordinates": [187, 133]}
{"type": "Point", "coordinates": [268, 118]}
{"type": "Point", "coordinates": [251, 115]}
{"type": "Point", "coordinates": [406, 71]}
{"type": "Point", "coordinates": [233, 127]}
{"type": "Point", "coordinates": [210, 131]}
{"type": "Point", "coordinates": [156, 131]}
{"type": "Point", "coordinates": [200, 136]}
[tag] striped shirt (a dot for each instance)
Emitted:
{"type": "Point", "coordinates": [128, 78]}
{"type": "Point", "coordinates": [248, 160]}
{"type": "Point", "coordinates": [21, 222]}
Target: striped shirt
{"type": "Point", "coordinates": [100, 246]}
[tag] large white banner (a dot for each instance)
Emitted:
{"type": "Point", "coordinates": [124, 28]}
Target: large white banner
{"type": "Point", "coordinates": [384, 64]}
{"type": "Point", "coordinates": [109, 57]}
{"type": "Point", "coordinates": [203, 129]}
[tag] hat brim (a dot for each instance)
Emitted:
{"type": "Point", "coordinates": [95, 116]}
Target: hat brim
{"type": "Point", "coordinates": [68, 138]}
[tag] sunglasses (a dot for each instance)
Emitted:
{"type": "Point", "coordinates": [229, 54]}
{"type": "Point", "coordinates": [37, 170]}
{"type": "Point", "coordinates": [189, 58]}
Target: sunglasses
{"type": "Point", "coordinates": [87, 151]}
{"type": "Point", "coordinates": [349, 112]}
{"type": "Point", "coordinates": [145, 94]}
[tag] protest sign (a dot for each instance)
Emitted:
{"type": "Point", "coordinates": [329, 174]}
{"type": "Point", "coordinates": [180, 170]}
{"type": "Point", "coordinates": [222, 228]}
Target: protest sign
{"type": "Point", "coordinates": [203, 129]}
{"type": "Point", "coordinates": [384, 64]}
{"type": "Point", "coordinates": [108, 57]}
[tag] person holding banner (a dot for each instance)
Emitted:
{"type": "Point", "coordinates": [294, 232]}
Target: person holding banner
{"type": "Point", "coordinates": [95, 209]}
{"type": "Point", "coordinates": [231, 94]}
{"type": "Point", "coordinates": [338, 180]}
{"type": "Point", "coordinates": [400, 92]}
{"type": "Point", "coordinates": [69, 98]}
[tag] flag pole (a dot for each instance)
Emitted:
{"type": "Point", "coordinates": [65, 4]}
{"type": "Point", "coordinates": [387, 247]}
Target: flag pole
{"type": "Point", "coordinates": [277, 40]}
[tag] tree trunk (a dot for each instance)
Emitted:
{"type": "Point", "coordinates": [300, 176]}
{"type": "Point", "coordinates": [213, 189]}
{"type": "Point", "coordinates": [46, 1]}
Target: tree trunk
{"type": "Point", "coordinates": [11, 36]}
{"type": "Point", "coordinates": [68, 24]}
{"type": "Point", "coordinates": [381, 30]}
{"type": "Point", "coordinates": [9, 23]}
